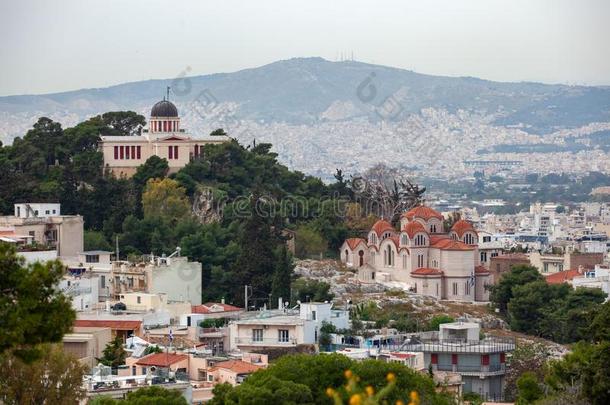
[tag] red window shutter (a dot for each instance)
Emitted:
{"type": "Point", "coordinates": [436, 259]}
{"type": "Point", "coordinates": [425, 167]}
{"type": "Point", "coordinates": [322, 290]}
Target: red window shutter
{"type": "Point", "coordinates": [485, 360]}
{"type": "Point", "coordinates": [164, 126]}
{"type": "Point", "coordinates": [502, 357]}
{"type": "Point", "coordinates": [196, 150]}
{"type": "Point", "coordinates": [171, 152]}
{"type": "Point", "coordinates": [133, 152]}
{"type": "Point", "coordinates": [434, 358]}
{"type": "Point", "coordinates": [139, 151]}
{"type": "Point", "coordinates": [127, 154]}
{"type": "Point", "coordinates": [454, 358]}
{"type": "Point", "coordinates": [116, 152]}
{"type": "Point", "coordinates": [122, 150]}
{"type": "Point", "coordinates": [175, 152]}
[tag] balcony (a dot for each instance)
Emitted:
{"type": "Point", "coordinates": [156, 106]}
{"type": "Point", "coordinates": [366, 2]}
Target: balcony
{"type": "Point", "coordinates": [432, 343]}
{"type": "Point", "coordinates": [474, 370]}
{"type": "Point", "coordinates": [248, 341]}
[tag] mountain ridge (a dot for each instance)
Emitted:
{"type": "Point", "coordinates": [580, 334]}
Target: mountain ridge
{"type": "Point", "coordinates": [300, 90]}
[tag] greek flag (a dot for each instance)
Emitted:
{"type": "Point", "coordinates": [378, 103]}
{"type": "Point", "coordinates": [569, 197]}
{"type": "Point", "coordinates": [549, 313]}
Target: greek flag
{"type": "Point", "coordinates": [171, 336]}
{"type": "Point", "coordinates": [472, 279]}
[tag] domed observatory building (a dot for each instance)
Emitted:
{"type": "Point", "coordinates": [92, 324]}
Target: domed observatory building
{"type": "Point", "coordinates": [162, 137]}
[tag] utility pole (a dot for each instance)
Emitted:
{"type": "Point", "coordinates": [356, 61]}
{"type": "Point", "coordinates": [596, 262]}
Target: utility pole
{"type": "Point", "coordinates": [246, 296]}
{"type": "Point", "coordinates": [117, 248]}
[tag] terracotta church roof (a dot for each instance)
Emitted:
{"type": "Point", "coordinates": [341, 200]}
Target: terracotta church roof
{"type": "Point", "coordinates": [381, 226]}
{"type": "Point", "coordinates": [461, 227]}
{"type": "Point", "coordinates": [413, 227]}
{"type": "Point", "coordinates": [422, 212]}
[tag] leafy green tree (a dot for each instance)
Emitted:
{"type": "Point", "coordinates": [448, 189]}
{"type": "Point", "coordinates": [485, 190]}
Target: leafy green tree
{"type": "Point", "coordinates": [529, 389]}
{"type": "Point", "coordinates": [437, 320]}
{"type": "Point", "coordinates": [122, 123]}
{"type": "Point", "coordinates": [530, 357]}
{"type": "Point", "coordinates": [305, 290]}
{"type": "Point", "coordinates": [282, 275]}
{"type": "Point", "coordinates": [585, 371]}
{"type": "Point", "coordinates": [165, 199]}
{"type": "Point", "coordinates": [152, 349]}
{"type": "Point", "coordinates": [95, 240]}
{"type": "Point", "coordinates": [145, 396]}
{"type": "Point", "coordinates": [114, 354]}
{"type": "Point", "coordinates": [502, 292]}
{"type": "Point", "coordinates": [309, 242]}
{"type": "Point", "coordinates": [55, 378]}
{"type": "Point", "coordinates": [257, 241]}
{"type": "Point", "coordinates": [32, 309]}
{"type": "Point", "coordinates": [314, 375]}
{"type": "Point", "coordinates": [600, 326]}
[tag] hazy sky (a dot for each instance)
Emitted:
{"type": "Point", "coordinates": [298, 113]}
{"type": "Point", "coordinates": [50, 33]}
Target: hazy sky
{"type": "Point", "coordinates": [49, 46]}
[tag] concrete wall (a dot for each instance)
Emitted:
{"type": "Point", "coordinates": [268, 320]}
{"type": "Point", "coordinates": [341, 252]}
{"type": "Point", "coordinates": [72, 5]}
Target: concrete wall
{"type": "Point", "coordinates": [180, 280]}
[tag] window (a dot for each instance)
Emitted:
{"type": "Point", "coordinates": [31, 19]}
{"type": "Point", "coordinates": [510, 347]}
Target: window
{"type": "Point", "coordinates": [175, 152]}
{"type": "Point", "coordinates": [560, 267]}
{"type": "Point", "coordinates": [485, 360]}
{"type": "Point", "coordinates": [127, 152]}
{"type": "Point", "coordinates": [546, 267]}
{"type": "Point", "coordinates": [47, 212]}
{"type": "Point", "coordinates": [257, 335]}
{"type": "Point", "coordinates": [170, 150]}
{"type": "Point", "coordinates": [404, 261]}
{"type": "Point", "coordinates": [389, 256]}
{"type": "Point", "coordinates": [133, 151]}
{"type": "Point", "coordinates": [433, 228]}
{"type": "Point", "coordinates": [139, 299]}
{"type": "Point", "coordinates": [486, 238]}
{"type": "Point", "coordinates": [469, 239]}
{"type": "Point", "coordinates": [313, 315]}
{"type": "Point", "coordinates": [103, 281]}
{"type": "Point", "coordinates": [483, 257]}
{"type": "Point", "coordinates": [133, 370]}
{"type": "Point", "coordinates": [283, 335]}
{"type": "Point", "coordinates": [372, 275]}
{"type": "Point", "coordinates": [403, 239]}
{"type": "Point", "coordinates": [420, 260]}
{"type": "Point", "coordinates": [455, 289]}
{"type": "Point", "coordinates": [467, 287]}
{"type": "Point", "coordinates": [116, 153]}
{"type": "Point", "coordinates": [139, 152]}
{"type": "Point", "coordinates": [420, 240]}
{"type": "Point", "coordinates": [494, 254]}
{"type": "Point", "coordinates": [144, 370]}
{"type": "Point", "coordinates": [92, 258]}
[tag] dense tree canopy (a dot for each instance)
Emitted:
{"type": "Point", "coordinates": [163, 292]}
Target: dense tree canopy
{"type": "Point", "coordinates": [307, 379]}
{"type": "Point", "coordinates": [32, 308]}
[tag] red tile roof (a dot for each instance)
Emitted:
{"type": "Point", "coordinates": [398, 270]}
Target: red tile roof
{"type": "Point", "coordinates": [562, 276]}
{"type": "Point", "coordinates": [412, 228]}
{"type": "Point", "coordinates": [422, 212]}
{"type": "Point", "coordinates": [444, 243]}
{"type": "Point", "coordinates": [512, 256]}
{"type": "Point", "coordinates": [112, 324]}
{"type": "Point", "coordinates": [354, 242]}
{"type": "Point", "coordinates": [426, 271]}
{"type": "Point", "coordinates": [402, 355]}
{"type": "Point", "coordinates": [462, 226]}
{"type": "Point", "coordinates": [161, 359]}
{"type": "Point", "coordinates": [481, 270]}
{"type": "Point", "coordinates": [214, 308]}
{"type": "Point", "coordinates": [237, 366]}
{"type": "Point", "coordinates": [381, 226]}
{"type": "Point", "coordinates": [396, 241]}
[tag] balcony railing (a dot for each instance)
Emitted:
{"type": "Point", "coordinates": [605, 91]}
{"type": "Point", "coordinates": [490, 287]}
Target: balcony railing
{"type": "Point", "coordinates": [434, 344]}
{"type": "Point", "coordinates": [265, 341]}
{"type": "Point", "coordinates": [478, 369]}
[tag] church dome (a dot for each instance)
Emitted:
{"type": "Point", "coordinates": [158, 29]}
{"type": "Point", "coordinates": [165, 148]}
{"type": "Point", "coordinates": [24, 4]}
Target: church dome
{"type": "Point", "coordinates": [164, 108]}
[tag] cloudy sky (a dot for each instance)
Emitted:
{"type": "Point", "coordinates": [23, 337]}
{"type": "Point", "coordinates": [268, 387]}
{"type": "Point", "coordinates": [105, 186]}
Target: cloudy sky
{"type": "Point", "coordinates": [50, 46]}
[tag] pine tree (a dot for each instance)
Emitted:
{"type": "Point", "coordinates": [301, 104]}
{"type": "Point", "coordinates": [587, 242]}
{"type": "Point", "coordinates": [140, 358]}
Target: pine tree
{"type": "Point", "coordinates": [282, 275]}
{"type": "Point", "coordinates": [113, 355]}
{"type": "Point", "coordinates": [255, 263]}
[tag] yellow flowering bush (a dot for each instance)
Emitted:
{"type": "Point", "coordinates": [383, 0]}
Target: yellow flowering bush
{"type": "Point", "coordinates": [356, 393]}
